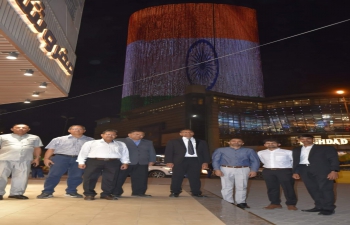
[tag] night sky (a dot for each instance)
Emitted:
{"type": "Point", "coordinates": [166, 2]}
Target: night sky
{"type": "Point", "coordinates": [314, 62]}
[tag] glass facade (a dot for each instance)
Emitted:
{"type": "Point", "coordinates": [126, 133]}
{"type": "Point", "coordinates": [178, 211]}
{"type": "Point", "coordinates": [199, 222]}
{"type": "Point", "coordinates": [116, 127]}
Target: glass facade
{"type": "Point", "coordinates": [285, 117]}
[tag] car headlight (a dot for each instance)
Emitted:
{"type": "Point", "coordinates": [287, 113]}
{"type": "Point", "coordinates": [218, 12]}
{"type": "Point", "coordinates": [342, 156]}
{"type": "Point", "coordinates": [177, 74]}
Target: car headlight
{"type": "Point", "coordinates": [166, 168]}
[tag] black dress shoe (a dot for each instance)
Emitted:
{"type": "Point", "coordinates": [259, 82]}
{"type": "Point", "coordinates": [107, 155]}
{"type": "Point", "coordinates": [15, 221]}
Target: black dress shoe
{"type": "Point", "coordinates": [200, 196]}
{"type": "Point", "coordinates": [89, 198]}
{"type": "Point", "coordinates": [312, 210]}
{"type": "Point", "coordinates": [174, 195]}
{"type": "Point", "coordinates": [242, 205]}
{"type": "Point", "coordinates": [18, 197]}
{"type": "Point", "coordinates": [326, 212]}
{"type": "Point", "coordinates": [109, 197]}
{"type": "Point", "coordinates": [118, 196]}
{"type": "Point", "coordinates": [142, 195]}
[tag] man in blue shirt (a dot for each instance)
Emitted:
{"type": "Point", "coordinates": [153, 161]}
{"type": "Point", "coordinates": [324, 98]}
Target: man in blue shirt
{"type": "Point", "coordinates": [65, 150]}
{"type": "Point", "coordinates": [234, 165]}
{"type": "Point", "coordinates": [142, 155]}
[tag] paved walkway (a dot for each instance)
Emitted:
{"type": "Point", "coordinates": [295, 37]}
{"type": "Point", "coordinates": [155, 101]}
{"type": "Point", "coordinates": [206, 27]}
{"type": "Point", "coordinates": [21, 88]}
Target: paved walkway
{"type": "Point", "coordinates": [160, 209]}
{"type": "Point", "coordinates": [257, 199]}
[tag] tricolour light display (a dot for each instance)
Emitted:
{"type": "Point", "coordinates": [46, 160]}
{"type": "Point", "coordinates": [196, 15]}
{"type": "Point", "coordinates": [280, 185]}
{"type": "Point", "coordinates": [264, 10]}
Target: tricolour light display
{"type": "Point", "coordinates": [172, 46]}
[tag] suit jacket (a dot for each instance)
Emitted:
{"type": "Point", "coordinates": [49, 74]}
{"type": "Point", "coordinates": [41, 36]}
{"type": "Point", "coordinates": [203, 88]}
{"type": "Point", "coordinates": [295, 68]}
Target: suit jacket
{"type": "Point", "coordinates": [176, 149]}
{"type": "Point", "coordinates": [139, 154]}
{"type": "Point", "coordinates": [323, 159]}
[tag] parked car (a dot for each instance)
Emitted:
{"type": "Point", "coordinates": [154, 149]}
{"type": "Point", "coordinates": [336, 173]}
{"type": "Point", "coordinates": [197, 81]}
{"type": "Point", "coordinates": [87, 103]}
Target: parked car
{"type": "Point", "coordinates": [159, 171]}
{"type": "Point", "coordinates": [259, 175]}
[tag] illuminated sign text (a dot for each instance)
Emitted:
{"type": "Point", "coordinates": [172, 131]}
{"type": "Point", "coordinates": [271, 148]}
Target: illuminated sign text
{"type": "Point", "coordinates": [334, 141]}
{"type": "Point", "coordinates": [32, 13]}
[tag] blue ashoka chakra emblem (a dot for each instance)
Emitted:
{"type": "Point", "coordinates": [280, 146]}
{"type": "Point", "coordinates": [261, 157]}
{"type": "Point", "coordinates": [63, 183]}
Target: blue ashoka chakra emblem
{"type": "Point", "coordinates": [202, 65]}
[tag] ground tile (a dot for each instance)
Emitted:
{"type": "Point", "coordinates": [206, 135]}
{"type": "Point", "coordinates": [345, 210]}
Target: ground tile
{"type": "Point", "coordinates": [201, 222]}
{"type": "Point", "coordinates": [68, 222]}
{"type": "Point", "coordinates": [208, 216]}
{"type": "Point", "coordinates": [157, 221]}
{"type": "Point", "coordinates": [26, 215]}
{"type": "Point", "coordinates": [19, 221]}
{"type": "Point", "coordinates": [118, 221]}
{"type": "Point", "coordinates": [71, 217]}
{"type": "Point", "coordinates": [165, 216]}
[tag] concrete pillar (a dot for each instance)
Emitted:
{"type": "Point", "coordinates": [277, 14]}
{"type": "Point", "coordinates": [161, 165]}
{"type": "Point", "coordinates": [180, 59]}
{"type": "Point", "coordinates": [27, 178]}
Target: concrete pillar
{"type": "Point", "coordinates": [212, 123]}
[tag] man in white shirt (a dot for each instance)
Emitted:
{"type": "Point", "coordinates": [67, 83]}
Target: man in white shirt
{"type": "Point", "coordinates": [277, 172]}
{"type": "Point", "coordinates": [104, 156]}
{"type": "Point", "coordinates": [16, 155]}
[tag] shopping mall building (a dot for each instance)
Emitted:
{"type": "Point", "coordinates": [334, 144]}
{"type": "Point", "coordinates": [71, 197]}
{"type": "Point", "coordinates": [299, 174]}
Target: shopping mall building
{"type": "Point", "coordinates": [198, 66]}
{"type": "Point", "coordinates": [217, 117]}
{"type": "Point", "coordinates": [37, 48]}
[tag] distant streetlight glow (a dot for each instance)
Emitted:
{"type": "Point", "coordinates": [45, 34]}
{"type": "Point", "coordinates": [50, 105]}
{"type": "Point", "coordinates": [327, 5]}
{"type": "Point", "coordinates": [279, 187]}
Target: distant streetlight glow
{"type": "Point", "coordinates": [66, 123]}
{"type": "Point", "coordinates": [341, 92]}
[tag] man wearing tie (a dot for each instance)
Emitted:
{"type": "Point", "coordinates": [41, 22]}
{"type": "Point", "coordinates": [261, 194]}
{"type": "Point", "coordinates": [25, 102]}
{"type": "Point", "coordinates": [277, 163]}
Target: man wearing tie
{"type": "Point", "coordinates": [318, 167]}
{"type": "Point", "coordinates": [186, 155]}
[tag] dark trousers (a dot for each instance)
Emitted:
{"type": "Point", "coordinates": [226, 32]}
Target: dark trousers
{"type": "Point", "coordinates": [191, 167]}
{"type": "Point", "coordinates": [276, 178]}
{"type": "Point", "coordinates": [319, 187]}
{"type": "Point", "coordinates": [93, 170]}
{"type": "Point", "coordinates": [139, 178]}
{"type": "Point", "coordinates": [37, 172]}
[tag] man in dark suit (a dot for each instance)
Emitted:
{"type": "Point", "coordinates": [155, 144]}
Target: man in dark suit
{"type": "Point", "coordinates": [142, 155]}
{"type": "Point", "coordinates": [318, 167]}
{"type": "Point", "coordinates": [186, 156]}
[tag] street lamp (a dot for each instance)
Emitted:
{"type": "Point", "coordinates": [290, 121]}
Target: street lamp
{"type": "Point", "coordinates": [341, 92]}
{"type": "Point", "coordinates": [192, 116]}
{"type": "Point", "coordinates": [66, 123]}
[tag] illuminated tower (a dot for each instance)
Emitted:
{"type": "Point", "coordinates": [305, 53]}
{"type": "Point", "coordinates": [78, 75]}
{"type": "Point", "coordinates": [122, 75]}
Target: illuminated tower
{"type": "Point", "coordinates": [176, 45]}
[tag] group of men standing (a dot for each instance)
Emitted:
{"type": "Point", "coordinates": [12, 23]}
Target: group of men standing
{"type": "Point", "coordinates": [82, 157]}
{"type": "Point", "coordinates": [114, 158]}
{"type": "Point", "coordinates": [318, 166]}
{"type": "Point", "coordinates": [85, 159]}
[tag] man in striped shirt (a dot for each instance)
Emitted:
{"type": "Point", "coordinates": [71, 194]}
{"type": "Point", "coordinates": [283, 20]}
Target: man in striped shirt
{"type": "Point", "coordinates": [65, 150]}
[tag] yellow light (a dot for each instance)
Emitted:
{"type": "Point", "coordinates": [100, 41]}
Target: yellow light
{"type": "Point", "coordinates": [12, 55]}
{"type": "Point", "coordinates": [340, 92]}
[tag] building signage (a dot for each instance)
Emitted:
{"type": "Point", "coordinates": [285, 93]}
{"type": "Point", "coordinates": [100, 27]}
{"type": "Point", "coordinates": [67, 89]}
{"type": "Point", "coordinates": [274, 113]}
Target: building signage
{"type": "Point", "coordinates": [32, 13]}
{"type": "Point", "coordinates": [334, 141]}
